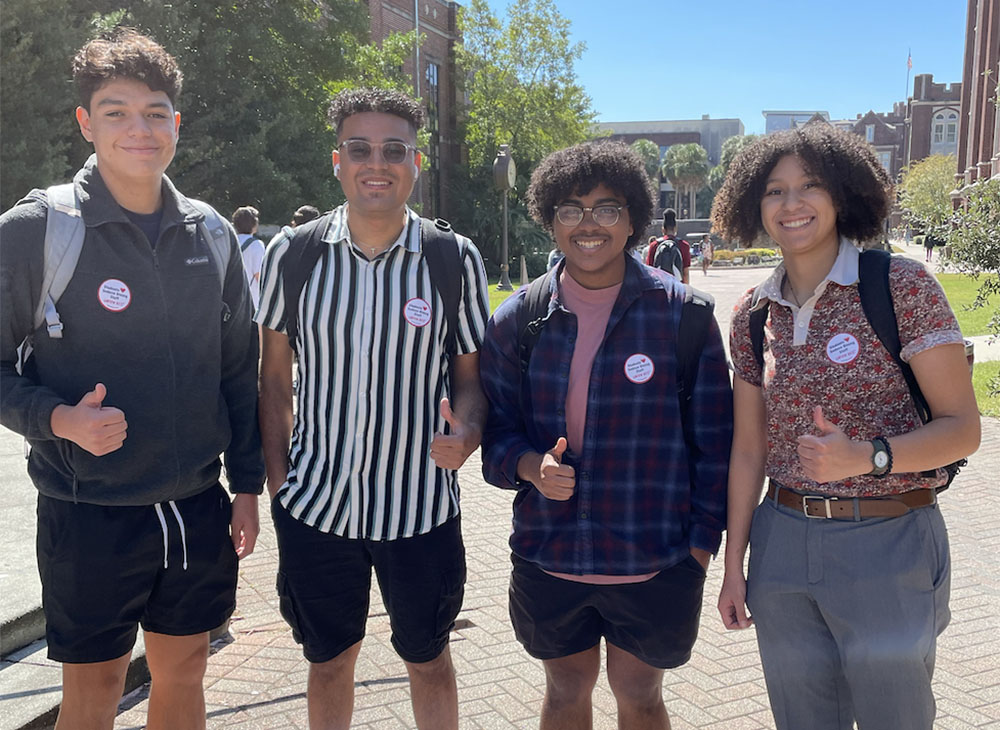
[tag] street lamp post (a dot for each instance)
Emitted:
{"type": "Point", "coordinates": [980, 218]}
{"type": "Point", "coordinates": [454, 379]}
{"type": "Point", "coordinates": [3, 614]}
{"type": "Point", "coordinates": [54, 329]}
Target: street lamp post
{"type": "Point", "coordinates": [504, 176]}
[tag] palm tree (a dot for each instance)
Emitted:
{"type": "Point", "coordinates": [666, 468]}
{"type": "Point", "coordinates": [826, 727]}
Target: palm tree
{"type": "Point", "coordinates": [686, 167]}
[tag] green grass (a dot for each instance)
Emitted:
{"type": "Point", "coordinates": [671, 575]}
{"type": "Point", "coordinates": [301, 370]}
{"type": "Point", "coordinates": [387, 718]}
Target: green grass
{"type": "Point", "coordinates": [982, 374]}
{"type": "Point", "coordinates": [497, 297]}
{"type": "Point", "coordinates": [961, 292]}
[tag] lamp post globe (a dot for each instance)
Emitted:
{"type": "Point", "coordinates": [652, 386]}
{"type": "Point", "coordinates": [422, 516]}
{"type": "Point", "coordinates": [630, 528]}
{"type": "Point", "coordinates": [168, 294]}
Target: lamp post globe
{"type": "Point", "coordinates": [504, 177]}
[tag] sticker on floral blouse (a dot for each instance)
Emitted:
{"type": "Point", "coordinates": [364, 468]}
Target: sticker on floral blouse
{"type": "Point", "coordinates": [417, 312]}
{"type": "Point", "coordinates": [114, 295]}
{"type": "Point", "coordinates": [639, 368]}
{"type": "Point", "coordinates": [842, 348]}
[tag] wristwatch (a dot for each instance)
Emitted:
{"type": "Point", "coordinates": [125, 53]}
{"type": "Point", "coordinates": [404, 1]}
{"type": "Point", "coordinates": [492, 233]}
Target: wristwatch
{"type": "Point", "coordinates": [881, 457]}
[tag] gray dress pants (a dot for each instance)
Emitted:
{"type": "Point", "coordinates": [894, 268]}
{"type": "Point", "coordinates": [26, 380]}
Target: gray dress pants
{"type": "Point", "coordinates": [847, 616]}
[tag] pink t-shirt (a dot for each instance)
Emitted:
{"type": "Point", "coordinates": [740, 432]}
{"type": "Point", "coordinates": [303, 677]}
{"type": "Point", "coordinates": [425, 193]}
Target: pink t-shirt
{"type": "Point", "coordinates": [592, 308]}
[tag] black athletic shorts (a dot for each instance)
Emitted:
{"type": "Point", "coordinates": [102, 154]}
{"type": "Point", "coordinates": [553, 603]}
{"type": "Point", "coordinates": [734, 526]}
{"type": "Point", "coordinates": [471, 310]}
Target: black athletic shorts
{"type": "Point", "coordinates": [655, 621]}
{"type": "Point", "coordinates": [324, 582]}
{"type": "Point", "coordinates": [105, 570]}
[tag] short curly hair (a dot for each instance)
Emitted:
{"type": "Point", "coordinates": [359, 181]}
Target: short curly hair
{"type": "Point", "coordinates": [386, 101]}
{"type": "Point", "coordinates": [125, 53]}
{"type": "Point", "coordinates": [861, 189]}
{"type": "Point", "coordinates": [579, 169]}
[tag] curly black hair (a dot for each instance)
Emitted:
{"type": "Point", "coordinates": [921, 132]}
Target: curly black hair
{"type": "Point", "coordinates": [125, 53]}
{"type": "Point", "coordinates": [861, 189]}
{"type": "Point", "coordinates": [386, 101]}
{"type": "Point", "coordinates": [579, 169]}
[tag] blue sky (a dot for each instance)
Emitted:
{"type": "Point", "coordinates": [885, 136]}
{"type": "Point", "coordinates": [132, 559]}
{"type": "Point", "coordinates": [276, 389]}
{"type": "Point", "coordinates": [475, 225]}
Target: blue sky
{"type": "Point", "coordinates": [679, 59]}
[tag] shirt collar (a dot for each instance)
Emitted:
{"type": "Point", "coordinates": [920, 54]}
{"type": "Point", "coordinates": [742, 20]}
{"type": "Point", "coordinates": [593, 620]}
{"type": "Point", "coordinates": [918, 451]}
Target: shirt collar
{"type": "Point", "coordinates": [844, 272]}
{"type": "Point", "coordinates": [409, 238]}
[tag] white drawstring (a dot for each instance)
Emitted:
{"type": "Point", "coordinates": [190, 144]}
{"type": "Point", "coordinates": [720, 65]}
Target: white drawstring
{"type": "Point", "coordinates": [180, 523]}
{"type": "Point", "coordinates": [166, 541]}
{"type": "Point", "coordinates": [163, 526]}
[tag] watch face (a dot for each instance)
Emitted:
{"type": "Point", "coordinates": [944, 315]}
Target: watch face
{"type": "Point", "coordinates": [881, 459]}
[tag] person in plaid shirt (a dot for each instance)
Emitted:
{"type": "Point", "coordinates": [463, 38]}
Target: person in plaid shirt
{"type": "Point", "coordinates": [616, 512]}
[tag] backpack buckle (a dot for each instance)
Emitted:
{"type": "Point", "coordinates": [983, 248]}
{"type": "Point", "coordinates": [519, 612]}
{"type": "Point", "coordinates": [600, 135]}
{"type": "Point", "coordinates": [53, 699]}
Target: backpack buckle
{"type": "Point", "coordinates": [55, 330]}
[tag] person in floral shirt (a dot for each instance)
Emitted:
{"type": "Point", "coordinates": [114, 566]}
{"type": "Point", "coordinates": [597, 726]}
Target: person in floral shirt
{"type": "Point", "coordinates": [849, 572]}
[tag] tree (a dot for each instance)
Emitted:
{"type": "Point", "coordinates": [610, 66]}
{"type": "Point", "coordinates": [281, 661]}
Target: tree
{"type": "Point", "coordinates": [253, 110]}
{"type": "Point", "coordinates": [974, 238]}
{"type": "Point", "coordinates": [925, 194]}
{"type": "Point", "coordinates": [521, 89]}
{"type": "Point", "coordinates": [686, 167]}
{"type": "Point", "coordinates": [649, 153]}
{"type": "Point", "coordinates": [730, 148]}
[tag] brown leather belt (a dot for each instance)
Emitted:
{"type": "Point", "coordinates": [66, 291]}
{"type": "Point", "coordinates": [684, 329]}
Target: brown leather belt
{"type": "Point", "coordinates": [843, 508]}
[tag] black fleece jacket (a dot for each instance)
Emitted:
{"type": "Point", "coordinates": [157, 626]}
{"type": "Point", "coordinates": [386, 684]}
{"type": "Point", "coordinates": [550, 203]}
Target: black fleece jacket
{"type": "Point", "coordinates": [180, 360]}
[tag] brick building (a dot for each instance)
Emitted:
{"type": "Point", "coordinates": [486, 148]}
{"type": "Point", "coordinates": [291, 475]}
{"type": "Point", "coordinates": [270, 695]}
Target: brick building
{"type": "Point", "coordinates": [432, 69]}
{"type": "Point", "coordinates": [979, 123]}
{"type": "Point", "coordinates": [932, 119]}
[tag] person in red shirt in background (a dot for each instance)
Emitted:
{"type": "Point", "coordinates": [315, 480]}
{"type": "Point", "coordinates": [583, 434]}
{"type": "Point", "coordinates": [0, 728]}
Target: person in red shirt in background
{"type": "Point", "coordinates": [670, 231]}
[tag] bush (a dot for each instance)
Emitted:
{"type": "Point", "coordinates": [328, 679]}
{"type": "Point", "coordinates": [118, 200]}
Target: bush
{"type": "Point", "coordinates": [919, 239]}
{"type": "Point", "coordinates": [744, 253]}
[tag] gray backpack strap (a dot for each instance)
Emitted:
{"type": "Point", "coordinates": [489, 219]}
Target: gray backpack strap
{"type": "Point", "coordinates": [216, 234]}
{"type": "Point", "coordinates": [64, 234]}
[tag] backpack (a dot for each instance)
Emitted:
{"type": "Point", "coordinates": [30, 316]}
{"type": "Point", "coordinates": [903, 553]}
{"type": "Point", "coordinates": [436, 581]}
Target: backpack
{"type": "Point", "coordinates": [668, 258]}
{"type": "Point", "coordinates": [247, 244]}
{"type": "Point", "coordinates": [437, 243]}
{"type": "Point", "coordinates": [876, 301]}
{"type": "Point", "coordinates": [64, 236]}
{"type": "Point", "coordinates": [696, 319]}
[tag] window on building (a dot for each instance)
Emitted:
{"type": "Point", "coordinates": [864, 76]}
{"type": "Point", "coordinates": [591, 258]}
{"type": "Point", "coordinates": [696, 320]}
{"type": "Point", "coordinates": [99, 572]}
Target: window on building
{"type": "Point", "coordinates": [433, 96]}
{"type": "Point", "coordinates": [951, 133]}
{"type": "Point", "coordinates": [938, 133]}
{"type": "Point", "coordinates": [870, 132]}
{"type": "Point", "coordinates": [886, 159]}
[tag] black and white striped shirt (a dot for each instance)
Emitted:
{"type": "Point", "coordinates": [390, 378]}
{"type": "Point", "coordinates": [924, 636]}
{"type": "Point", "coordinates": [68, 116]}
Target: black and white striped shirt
{"type": "Point", "coordinates": [372, 370]}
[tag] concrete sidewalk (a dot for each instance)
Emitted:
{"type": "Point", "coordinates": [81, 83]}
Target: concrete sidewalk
{"type": "Point", "coordinates": [257, 678]}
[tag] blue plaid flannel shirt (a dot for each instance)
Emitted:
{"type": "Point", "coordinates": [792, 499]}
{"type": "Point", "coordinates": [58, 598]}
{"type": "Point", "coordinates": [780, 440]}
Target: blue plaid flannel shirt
{"type": "Point", "coordinates": [642, 497]}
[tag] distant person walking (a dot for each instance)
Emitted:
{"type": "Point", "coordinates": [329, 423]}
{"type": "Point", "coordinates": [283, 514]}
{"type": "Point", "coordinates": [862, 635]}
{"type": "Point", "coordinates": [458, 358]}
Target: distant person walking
{"type": "Point", "coordinates": [929, 243]}
{"type": "Point", "coordinates": [245, 221]}
{"type": "Point", "coordinates": [304, 214]}
{"type": "Point", "coordinates": [706, 254]}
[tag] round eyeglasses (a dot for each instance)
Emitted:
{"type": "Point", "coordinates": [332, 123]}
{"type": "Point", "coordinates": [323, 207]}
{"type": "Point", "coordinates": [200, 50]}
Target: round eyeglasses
{"type": "Point", "coordinates": [360, 150]}
{"type": "Point", "coordinates": [604, 215]}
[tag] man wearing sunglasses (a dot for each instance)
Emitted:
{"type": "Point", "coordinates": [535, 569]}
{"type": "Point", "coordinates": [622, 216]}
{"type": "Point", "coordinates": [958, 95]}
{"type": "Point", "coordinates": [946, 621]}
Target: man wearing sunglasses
{"type": "Point", "coordinates": [366, 478]}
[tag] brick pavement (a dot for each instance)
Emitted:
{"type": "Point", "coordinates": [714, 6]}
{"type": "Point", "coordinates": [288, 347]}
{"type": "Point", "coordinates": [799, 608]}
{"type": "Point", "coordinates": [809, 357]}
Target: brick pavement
{"type": "Point", "coordinates": [256, 678]}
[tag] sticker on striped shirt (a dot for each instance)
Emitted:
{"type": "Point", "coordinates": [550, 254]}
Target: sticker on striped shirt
{"type": "Point", "coordinates": [114, 295]}
{"type": "Point", "coordinates": [842, 348]}
{"type": "Point", "coordinates": [417, 312]}
{"type": "Point", "coordinates": [639, 368]}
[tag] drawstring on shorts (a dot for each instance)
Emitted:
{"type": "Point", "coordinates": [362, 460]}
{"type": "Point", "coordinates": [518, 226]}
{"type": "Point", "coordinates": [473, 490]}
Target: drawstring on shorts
{"type": "Point", "coordinates": [166, 540]}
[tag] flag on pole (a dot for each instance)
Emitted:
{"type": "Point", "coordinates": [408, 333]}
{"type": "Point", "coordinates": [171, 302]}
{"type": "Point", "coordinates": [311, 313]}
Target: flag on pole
{"type": "Point", "coordinates": [909, 61]}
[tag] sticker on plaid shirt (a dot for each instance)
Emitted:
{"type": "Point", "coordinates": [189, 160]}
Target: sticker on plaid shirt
{"type": "Point", "coordinates": [639, 368]}
{"type": "Point", "coordinates": [842, 348]}
{"type": "Point", "coordinates": [417, 312]}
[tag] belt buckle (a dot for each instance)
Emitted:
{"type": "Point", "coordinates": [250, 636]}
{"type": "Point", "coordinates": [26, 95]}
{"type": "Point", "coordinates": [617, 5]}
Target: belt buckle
{"type": "Point", "coordinates": [826, 501]}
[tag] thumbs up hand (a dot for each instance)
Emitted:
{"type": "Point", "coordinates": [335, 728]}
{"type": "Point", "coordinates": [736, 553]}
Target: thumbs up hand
{"type": "Point", "coordinates": [92, 426]}
{"type": "Point", "coordinates": [556, 480]}
{"type": "Point", "coordinates": [831, 455]}
{"type": "Point", "coordinates": [450, 450]}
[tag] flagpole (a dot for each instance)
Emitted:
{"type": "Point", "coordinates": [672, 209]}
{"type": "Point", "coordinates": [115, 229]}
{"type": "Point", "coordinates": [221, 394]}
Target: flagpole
{"type": "Point", "coordinates": [909, 66]}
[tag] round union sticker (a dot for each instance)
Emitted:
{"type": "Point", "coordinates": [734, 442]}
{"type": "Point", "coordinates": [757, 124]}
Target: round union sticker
{"type": "Point", "coordinates": [639, 368]}
{"type": "Point", "coordinates": [842, 348]}
{"type": "Point", "coordinates": [417, 312]}
{"type": "Point", "coordinates": [114, 295]}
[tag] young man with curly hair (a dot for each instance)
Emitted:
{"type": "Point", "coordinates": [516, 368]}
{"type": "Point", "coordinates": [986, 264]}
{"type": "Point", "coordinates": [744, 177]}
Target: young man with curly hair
{"type": "Point", "coordinates": [133, 525]}
{"type": "Point", "coordinates": [849, 569]}
{"type": "Point", "coordinates": [386, 415]}
{"type": "Point", "coordinates": [620, 484]}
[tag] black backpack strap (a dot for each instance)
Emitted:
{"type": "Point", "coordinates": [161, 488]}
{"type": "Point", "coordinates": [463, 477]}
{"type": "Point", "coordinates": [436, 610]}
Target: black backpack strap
{"type": "Point", "coordinates": [876, 301]}
{"type": "Point", "coordinates": [246, 244]}
{"type": "Point", "coordinates": [531, 318]}
{"type": "Point", "coordinates": [444, 263]}
{"type": "Point", "coordinates": [696, 320]}
{"type": "Point", "coordinates": [758, 317]}
{"type": "Point", "coordinates": [304, 251]}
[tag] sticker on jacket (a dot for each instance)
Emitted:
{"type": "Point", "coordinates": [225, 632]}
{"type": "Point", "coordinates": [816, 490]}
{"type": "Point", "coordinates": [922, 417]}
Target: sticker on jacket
{"type": "Point", "coordinates": [639, 368]}
{"type": "Point", "coordinates": [114, 295]}
{"type": "Point", "coordinates": [842, 348]}
{"type": "Point", "coordinates": [417, 312]}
